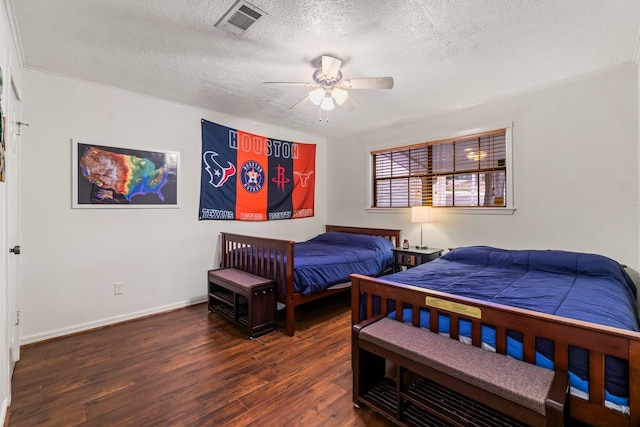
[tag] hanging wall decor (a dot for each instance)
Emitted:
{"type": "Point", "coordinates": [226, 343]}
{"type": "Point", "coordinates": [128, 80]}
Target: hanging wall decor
{"type": "Point", "coordinates": [115, 177]}
{"type": "Point", "coordinates": [247, 177]}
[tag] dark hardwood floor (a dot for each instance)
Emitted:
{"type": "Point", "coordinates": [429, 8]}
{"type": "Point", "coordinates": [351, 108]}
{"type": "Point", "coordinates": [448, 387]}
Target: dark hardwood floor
{"type": "Point", "coordinates": [193, 368]}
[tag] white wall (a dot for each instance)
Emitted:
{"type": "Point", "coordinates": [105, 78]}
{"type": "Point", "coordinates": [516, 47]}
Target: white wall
{"type": "Point", "coordinates": [72, 257]}
{"type": "Point", "coordinates": [575, 156]}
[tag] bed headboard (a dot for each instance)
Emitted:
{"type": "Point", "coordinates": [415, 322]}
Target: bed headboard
{"type": "Point", "coordinates": [392, 235]}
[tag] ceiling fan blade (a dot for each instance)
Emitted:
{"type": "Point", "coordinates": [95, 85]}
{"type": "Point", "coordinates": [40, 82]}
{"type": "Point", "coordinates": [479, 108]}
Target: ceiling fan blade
{"type": "Point", "coordinates": [304, 101]}
{"type": "Point", "coordinates": [306, 84]}
{"type": "Point", "coordinates": [368, 83]}
{"type": "Point", "coordinates": [330, 66]}
{"type": "Point", "coordinates": [350, 104]}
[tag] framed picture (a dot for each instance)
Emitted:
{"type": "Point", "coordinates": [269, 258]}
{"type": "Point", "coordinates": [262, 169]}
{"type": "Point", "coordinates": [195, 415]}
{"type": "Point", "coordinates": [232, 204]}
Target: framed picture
{"type": "Point", "coordinates": [116, 177]}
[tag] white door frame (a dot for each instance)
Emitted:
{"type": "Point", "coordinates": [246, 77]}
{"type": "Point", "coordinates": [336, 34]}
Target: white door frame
{"type": "Point", "coordinates": [13, 215]}
{"type": "Point", "coordinates": [11, 129]}
{"type": "Point", "coordinates": [5, 370]}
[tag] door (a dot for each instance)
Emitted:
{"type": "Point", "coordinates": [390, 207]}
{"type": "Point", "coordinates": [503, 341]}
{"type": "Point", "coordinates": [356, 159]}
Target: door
{"type": "Point", "coordinates": [12, 135]}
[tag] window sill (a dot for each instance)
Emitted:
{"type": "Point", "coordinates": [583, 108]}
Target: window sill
{"type": "Point", "coordinates": [455, 211]}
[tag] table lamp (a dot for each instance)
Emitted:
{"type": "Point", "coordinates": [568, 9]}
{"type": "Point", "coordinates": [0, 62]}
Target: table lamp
{"type": "Point", "coordinates": [421, 214]}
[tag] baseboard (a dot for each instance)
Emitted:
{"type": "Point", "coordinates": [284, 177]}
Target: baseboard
{"type": "Point", "coordinates": [4, 416]}
{"type": "Point", "coordinates": [109, 321]}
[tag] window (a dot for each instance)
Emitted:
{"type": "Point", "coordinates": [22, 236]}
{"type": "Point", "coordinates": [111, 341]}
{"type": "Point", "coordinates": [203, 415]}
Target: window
{"type": "Point", "coordinates": [469, 171]}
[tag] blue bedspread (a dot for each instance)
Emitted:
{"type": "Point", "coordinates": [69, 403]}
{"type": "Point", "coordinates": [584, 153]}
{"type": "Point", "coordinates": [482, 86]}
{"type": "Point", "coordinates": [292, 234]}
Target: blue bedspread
{"type": "Point", "coordinates": [579, 286]}
{"type": "Point", "coordinates": [329, 259]}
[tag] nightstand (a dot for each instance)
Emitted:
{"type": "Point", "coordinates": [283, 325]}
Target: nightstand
{"type": "Point", "coordinates": [411, 257]}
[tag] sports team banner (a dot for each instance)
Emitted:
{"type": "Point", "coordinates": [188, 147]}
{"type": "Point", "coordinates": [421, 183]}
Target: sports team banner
{"type": "Point", "coordinates": [248, 177]}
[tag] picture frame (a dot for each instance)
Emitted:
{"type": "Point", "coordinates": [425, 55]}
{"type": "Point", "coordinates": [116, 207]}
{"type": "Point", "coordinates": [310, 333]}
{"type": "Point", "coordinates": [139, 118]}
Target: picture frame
{"type": "Point", "coordinates": [105, 176]}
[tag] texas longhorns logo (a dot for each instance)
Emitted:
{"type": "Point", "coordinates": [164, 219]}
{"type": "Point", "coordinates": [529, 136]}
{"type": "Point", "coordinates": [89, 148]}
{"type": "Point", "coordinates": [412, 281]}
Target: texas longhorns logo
{"type": "Point", "coordinates": [220, 174]}
{"type": "Point", "coordinates": [304, 177]}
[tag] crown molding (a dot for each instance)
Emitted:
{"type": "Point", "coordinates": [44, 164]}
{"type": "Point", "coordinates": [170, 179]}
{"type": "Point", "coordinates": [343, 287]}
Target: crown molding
{"type": "Point", "coordinates": [446, 110]}
{"type": "Point", "coordinates": [212, 115]}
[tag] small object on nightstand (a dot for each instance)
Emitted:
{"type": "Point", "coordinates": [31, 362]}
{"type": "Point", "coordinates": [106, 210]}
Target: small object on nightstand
{"type": "Point", "coordinates": [412, 257]}
{"type": "Point", "coordinates": [405, 244]}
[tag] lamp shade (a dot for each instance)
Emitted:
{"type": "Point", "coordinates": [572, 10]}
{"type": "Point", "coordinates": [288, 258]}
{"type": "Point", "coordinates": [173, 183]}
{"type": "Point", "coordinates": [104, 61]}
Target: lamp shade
{"type": "Point", "coordinates": [420, 214]}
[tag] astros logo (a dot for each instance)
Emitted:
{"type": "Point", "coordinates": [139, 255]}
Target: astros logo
{"type": "Point", "coordinates": [252, 176]}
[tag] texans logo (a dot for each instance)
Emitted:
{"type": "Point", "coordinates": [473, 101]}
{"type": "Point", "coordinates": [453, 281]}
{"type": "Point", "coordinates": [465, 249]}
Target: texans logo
{"type": "Point", "coordinates": [220, 174]}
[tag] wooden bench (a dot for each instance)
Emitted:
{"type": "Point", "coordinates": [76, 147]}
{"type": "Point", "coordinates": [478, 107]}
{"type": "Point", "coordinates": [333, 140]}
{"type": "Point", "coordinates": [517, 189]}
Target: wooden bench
{"type": "Point", "coordinates": [439, 381]}
{"type": "Point", "coordinates": [246, 299]}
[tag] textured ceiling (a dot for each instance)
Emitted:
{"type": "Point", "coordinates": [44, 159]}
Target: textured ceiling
{"type": "Point", "coordinates": [441, 53]}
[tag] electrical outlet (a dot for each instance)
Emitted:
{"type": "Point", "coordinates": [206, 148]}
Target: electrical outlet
{"type": "Point", "coordinates": [118, 288]}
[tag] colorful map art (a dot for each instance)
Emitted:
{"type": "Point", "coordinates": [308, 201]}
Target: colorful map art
{"type": "Point", "coordinates": [109, 175]}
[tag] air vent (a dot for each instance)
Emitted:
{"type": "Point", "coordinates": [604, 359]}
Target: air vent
{"type": "Point", "coordinates": [240, 17]}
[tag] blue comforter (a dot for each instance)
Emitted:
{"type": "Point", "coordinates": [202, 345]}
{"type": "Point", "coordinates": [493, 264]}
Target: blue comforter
{"type": "Point", "coordinates": [329, 259]}
{"type": "Point", "coordinates": [579, 286]}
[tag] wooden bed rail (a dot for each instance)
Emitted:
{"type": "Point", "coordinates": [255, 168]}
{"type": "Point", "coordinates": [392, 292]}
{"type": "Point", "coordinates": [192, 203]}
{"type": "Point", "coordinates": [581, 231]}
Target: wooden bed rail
{"type": "Point", "coordinates": [599, 341]}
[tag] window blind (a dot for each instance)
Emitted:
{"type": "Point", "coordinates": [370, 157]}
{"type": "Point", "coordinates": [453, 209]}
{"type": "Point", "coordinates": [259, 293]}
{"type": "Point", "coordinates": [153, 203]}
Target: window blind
{"type": "Point", "coordinates": [469, 171]}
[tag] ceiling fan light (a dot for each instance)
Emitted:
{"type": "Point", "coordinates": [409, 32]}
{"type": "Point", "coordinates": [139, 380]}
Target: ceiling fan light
{"type": "Point", "coordinates": [327, 103]}
{"type": "Point", "coordinates": [316, 96]}
{"type": "Point", "coordinates": [339, 95]}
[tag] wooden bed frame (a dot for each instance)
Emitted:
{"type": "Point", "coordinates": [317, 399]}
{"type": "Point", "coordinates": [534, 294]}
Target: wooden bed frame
{"type": "Point", "coordinates": [273, 263]}
{"type": "Point", "coordinates": [596, 339]}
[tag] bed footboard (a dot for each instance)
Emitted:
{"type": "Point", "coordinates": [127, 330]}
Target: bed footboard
{"type": "Point", "coordinates": [266, 257]}
{"type": "Point", "coordinates": [598, 341]}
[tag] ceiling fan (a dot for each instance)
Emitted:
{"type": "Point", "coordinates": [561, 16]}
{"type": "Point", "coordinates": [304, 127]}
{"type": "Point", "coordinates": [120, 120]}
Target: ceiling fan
{"type": "Point", "coordinates": [331, 88]}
